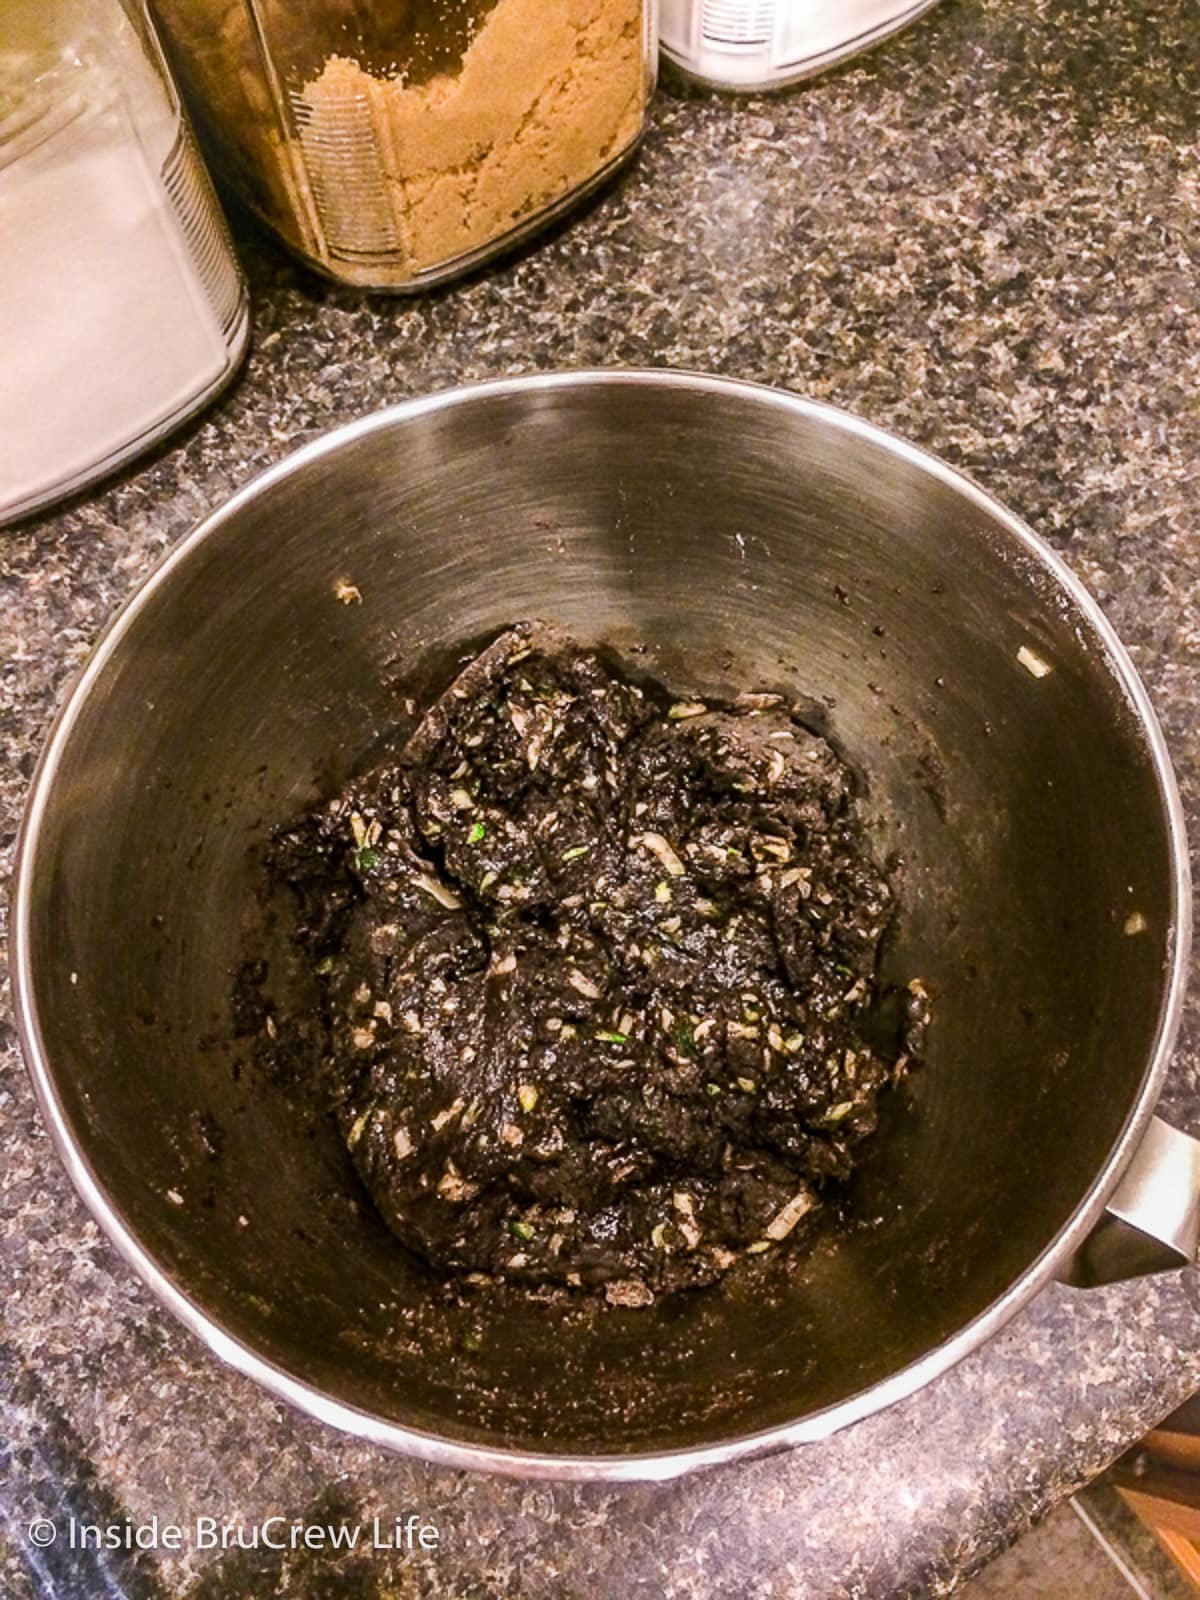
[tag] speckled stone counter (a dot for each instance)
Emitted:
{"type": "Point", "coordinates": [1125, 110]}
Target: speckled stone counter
{"type": "Point", "coordinates": [983, 236]}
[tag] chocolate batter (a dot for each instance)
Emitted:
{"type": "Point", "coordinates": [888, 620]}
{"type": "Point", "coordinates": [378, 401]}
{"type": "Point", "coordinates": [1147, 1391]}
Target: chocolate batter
{"type": "Point", "coordinates": [600, 968]}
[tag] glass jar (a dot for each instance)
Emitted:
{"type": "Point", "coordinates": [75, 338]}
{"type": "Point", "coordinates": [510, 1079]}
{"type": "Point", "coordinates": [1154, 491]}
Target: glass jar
{"type": "Point", "coordinates": [122, 310]}
{"type": "Point", "coordinates": [397, 143]}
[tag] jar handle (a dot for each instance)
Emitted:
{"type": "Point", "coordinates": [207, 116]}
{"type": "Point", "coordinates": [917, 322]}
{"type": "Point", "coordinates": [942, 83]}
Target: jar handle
{"type": "Point", "coordinates": [1152, 1220]}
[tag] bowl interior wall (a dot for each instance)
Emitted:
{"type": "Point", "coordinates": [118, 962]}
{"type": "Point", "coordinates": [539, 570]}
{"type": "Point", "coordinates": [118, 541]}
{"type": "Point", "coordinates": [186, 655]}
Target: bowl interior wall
{"type": "Point", "coordinates": [743, 544]}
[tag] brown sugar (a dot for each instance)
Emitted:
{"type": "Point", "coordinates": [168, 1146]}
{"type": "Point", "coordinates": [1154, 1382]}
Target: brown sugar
{"type": "Point", "coordinates": [423, 133]}
{"type": "Point", "coordinates": [546, 97]}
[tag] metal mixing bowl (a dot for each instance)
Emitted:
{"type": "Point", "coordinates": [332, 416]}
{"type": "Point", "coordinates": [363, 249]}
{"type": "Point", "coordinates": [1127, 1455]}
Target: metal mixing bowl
{"type": "Point", "coordinates": [745, 537]}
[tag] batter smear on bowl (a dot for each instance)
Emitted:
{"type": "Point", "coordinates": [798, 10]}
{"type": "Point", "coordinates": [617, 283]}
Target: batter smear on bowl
{"type": "Point", "coordinates": [602, 1001]}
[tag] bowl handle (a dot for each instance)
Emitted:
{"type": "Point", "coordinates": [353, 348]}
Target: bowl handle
{"type": "Point", "coordinates": [1152, 1220]}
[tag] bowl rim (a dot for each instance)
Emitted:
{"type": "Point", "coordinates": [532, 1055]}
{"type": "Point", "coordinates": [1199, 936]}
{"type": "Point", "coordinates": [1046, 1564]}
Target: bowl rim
{"type": "Point", "coordinates": [643, 1465]}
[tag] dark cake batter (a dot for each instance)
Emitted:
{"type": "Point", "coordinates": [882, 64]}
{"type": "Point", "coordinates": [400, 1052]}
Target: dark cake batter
{"type": "Point", "coordinates": [599, 969]}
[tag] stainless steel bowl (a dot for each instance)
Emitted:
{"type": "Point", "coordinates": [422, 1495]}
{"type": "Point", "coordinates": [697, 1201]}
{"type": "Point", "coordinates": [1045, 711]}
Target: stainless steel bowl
{"type": "Point", "coordinates": [743, 536]}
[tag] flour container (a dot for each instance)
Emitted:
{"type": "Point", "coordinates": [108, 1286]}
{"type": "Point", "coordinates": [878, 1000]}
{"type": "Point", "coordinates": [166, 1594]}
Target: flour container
{"type": "Point", "coordinates": [122, 310]}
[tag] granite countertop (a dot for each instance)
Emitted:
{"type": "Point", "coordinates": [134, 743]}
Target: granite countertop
{"type": "Point", "coordinates": [984, 235]}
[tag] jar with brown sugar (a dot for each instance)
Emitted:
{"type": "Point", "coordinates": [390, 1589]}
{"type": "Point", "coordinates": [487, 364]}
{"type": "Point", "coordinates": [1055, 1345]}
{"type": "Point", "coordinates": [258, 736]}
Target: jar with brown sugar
{"type": "Point", "coordinates": [397, 143]}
